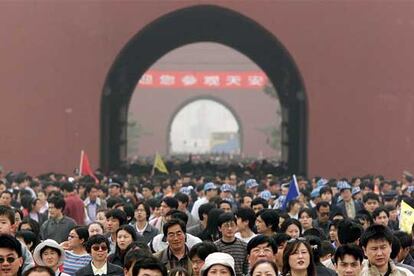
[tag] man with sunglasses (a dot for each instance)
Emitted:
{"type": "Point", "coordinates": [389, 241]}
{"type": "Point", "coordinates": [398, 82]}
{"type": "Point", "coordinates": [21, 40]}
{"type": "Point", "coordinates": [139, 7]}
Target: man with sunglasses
{"type": "Point", "coordinates": [98, 247]}
{"type": "Point", "coordinates": [10, 255]}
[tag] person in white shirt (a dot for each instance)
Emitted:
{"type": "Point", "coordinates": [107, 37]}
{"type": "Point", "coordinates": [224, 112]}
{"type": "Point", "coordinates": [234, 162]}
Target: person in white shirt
{"type": "Point", "coordinates": [160, 243]}
{"type": "Point", "coordinates": [210, 191]}
{"type": "Point", "coordinates": [246, 219]}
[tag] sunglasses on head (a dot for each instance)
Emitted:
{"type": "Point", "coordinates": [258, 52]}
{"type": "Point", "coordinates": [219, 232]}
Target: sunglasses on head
{"type": "Point", "coordinates": [103, 247]}
{"type": "Point", "coordinates": [297, 239]}
{"type": "Point", "coordinates": [10, 260]}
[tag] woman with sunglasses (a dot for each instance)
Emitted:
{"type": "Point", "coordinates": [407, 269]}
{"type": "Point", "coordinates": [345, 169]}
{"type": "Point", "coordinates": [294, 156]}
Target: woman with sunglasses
{"type": "Point", "coordinates": [98, 247]}
{"type": "Point", "coordinates": [75, 252]}
{"type": "Point", "coordinates": [298, 258]}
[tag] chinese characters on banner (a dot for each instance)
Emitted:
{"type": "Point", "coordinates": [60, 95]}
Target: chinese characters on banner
{"type": "Point", "coordinates": [206, 80]}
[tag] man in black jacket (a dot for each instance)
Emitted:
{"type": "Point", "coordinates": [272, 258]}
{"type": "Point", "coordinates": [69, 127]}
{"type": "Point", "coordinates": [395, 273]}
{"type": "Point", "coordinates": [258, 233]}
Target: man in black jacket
{"type": "Point", "coordinates": [98, 247]}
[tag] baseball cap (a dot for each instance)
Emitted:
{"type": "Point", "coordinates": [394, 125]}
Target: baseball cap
{"type": "Point", "coordinates": [343, 185]}
{"type": "Point", "coordinates": [251, 183]}
{"type": "Point", "coordinates": [226, 188]}
{"type": "Point", "coordinates": [266, 195]}
{"type": "Point", "coordinates": [114, 184]}
{"type": "Point", "coordinates": [209, 186]}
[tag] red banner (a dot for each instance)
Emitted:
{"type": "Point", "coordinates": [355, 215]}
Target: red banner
{"type": "Point", "coordinates": [203, 80]}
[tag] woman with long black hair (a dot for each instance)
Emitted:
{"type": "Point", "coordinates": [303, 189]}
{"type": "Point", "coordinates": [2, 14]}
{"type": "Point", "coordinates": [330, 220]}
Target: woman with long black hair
{"type": "Point", "coordinates": [298, 258]}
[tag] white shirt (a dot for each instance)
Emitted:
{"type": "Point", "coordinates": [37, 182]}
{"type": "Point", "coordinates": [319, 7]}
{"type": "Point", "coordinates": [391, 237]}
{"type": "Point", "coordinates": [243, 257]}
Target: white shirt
{"type": "Point", "coordinates": [246, 240]}
{"type": "Point", "coordinates": [197, 204]}
{"type": "Point", "coordinates": [100, 271]}
{"type": "Point", "coordinates": [141, 231]}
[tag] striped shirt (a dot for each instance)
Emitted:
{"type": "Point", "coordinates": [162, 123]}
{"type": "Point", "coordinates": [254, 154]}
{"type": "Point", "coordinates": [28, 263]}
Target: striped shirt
{"type": "Point", "coordinates": [73, 262]}
{"type": "Point", "coordinates": [238, 250]}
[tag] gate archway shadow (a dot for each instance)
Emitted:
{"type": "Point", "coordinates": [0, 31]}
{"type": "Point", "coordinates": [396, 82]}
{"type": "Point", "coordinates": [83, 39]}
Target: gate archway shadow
{"type": "Point", "coordinates": [203, 23]}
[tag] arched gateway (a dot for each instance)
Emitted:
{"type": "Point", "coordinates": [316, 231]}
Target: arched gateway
{"type": "Point", "coordinates": [200, 24]}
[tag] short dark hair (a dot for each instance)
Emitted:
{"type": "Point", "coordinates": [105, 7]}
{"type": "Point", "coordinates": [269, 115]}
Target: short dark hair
{"type": "Point", "coordinates": [133, 255]}
{"type": "Point", "coordinates": [259, 200]}
{"type": "Point", "coordinates": [149, 262]}
{"type": "Point", "coordinates": [202, 250]}
{"type": "Point", "coordinates": [7, 192]}
{"type": "Point", "coordinates": [148, 185]}
{"type": "Point", "coordinates": [281, 238]}
{"type": "Point", "coordinates": [376, 232]}
{"type": "Point", "coordinates": [326, 248]}
{"type": "Point", "coordinates": [177, 214]}
{"type": "Point", "coordinates": [261, 239]}
{"type": "Point", "coordinates": [58, 202]}
{"type": "Point", "coordinates": [226, 202]}
{"type": "Point", "coordinates": [82, 232]}
{"type": "Point", "coordinates": [8, 213]}
{"type": "Point", "coordinates": [182, 198]}
{"type": "Point", "coordinates": [291, 204]}
{"type": "Point", "coordinates": [270, 218]}
{"type": "Point", "coordinates": [348, 249]}
{"type": "Point", "coordinates": [307, 211]}
{"type": "Point", "coordinates": [247, 214]}
{"type": "Point", "coordinates": [117, 214]}
{"type": "Point", "coordinates": [348, 231]}
{"type": "Point", "coordinates": [322, 204]}
{"type": "Point", "coordinates": [39, 268]}
{"type": "Point", "coordinates": [67, 186]}
{"type": "Point", "coordinates": [146, 207]}
{"type": "Point", "coordinates": [288, 222]}
{"type": "Point", "coordinates": [34, 225]}
{"type": "Point", "coordinates": [89, 187]}
{"type": "Point", "coordinates": [171, 223]}
{"type": "Point", "coordinates": [378, 211]}
{"type": "Point", "coordinates": [10, 242]}
{"type": "Point", "coordinates": [28, 237]}
{"type": "Point", "coordinates": [404, 238]}
{"type": "Point", "coordinates": [171, 202]}
{"type": "Point", "coordinates": [96, 239]}
{"type": "Point", "coordinates": [370, 196]}
{"type": "Point", "coordinates": [225, 217]}
{"type": "Point", "coordinates": [204, 209]}
{"type": "Point", "coordinates": [325, 189]}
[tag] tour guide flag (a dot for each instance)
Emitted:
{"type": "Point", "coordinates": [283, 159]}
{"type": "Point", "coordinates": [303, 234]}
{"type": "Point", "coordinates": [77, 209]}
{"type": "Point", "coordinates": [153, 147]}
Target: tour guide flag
{"type": "Point", "coordinates": [159, 164]}
{"type": "Point", "coordinates": [406, 217]}
{"type": "Point", "coordinates": [293, 192]}
{"type": "Point", "coordinates": [85, 167]}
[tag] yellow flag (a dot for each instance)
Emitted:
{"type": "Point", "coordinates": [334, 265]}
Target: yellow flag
{"type": "Point", "coordinates": [406, 217]}
{"type": "Point", "coordinates": [159, 164]}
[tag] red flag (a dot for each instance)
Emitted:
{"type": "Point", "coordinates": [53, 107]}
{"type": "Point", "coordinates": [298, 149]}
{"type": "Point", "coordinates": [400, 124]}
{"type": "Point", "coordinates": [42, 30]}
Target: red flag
{"type": "Point", "coordinates": [85, 167]}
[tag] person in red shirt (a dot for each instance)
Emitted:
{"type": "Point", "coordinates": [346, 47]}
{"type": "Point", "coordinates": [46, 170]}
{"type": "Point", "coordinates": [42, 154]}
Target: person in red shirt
{"type": "Point", "coordinates": [74, 206]}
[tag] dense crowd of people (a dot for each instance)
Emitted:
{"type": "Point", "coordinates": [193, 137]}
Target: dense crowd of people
{"type": "Point", "coordinates": [203, 220]}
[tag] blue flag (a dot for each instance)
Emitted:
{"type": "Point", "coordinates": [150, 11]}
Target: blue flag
{"type": "Point", "coordinates": [293, 192]}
